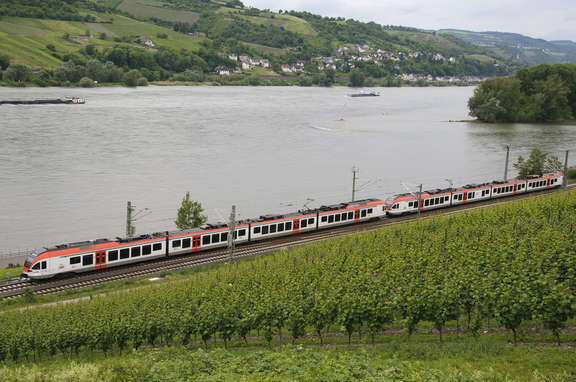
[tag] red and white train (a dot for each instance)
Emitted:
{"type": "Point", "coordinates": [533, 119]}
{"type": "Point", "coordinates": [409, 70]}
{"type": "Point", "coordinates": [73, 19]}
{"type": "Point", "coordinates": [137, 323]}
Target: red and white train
{"type": "Point", "coordinates": [103, 253]}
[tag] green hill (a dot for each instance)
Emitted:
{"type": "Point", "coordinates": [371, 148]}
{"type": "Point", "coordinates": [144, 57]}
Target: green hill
{"type": "Point", "coordinates": [170, 37]}
{"type": "Point", "coordinates": [523, 49]}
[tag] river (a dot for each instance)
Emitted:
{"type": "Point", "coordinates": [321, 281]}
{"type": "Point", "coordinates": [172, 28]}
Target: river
{"type": "Point", "coordinates": [67, 171]}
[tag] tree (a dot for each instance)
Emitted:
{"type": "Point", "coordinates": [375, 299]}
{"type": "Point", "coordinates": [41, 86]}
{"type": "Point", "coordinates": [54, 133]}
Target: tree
{"type": "Point", "coordinates": [17, 73]}
{"type": "Point", "coordinates": [190, 214]}
{"type": "Point", "coordinates": [538, 164]}
{"type": "Point", "coordinates": [4, 61]}
{"type": "Point", "coordinates": [131, 78]}
{"type": "Point", "coordinates": [357, 78]}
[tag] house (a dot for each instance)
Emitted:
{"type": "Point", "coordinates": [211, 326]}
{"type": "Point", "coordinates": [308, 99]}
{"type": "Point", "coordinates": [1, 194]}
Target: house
{"type": "Point", "coordinates": [149, 43]}
{"type": "Point", "coordinates": [244, 59]}
{"type": "Point", "coordinates": [233, 57]}
{"type": "Point", "coordinates": [286, 68]}
{"type": "Point", "coordinates": [247, 65]}
{"type": "Point", "coordinates": [222, 70]}
{"type": "Point", "coordinates": [265, 63]}
{"type": "Point", "coordinates": [237, 70]}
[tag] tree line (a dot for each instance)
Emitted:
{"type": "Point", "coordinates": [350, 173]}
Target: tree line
{"type": "Point", "coordinates": [542, 93]}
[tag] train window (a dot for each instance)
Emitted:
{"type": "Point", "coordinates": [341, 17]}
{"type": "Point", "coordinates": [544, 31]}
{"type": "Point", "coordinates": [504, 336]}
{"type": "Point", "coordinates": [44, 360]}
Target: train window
{"type": "Point", "coordinates": [205, 239]}
{"type": "Point", "coordinates": [224, 236]}
{"type": "Point", "coordinates": [288, 226]}
{"type": "Point", "coordinates": [75, 260]}
{"type": "Point", "coordinates": [273, 228]}
{"type": "Point", "coordinates": [176, 243]}
{"type": "Point", "coordinates": [410, 204]}
{"type": "Point", "coordinates": [311, 221]}
{"type": "Point", "coordinates": [324, 219]}
{"type": "Point", "coordinates": [350, 215]}
{"type": "Point", "coordinates": [265, 230]}
{"type": "Point", "coordinates": [186, 243]}
{"type": "Point", "coordinates": [43, 265]}
{"type": "Point", "coordinates": [256, 229]}
{"type": "Point", "coordinates": [337, 217]}
{"type": "Point", "coordinates": [369, 210]}
{"type": "Point", "coordinates": [303, 223]}
{"type": "Point", "coordinates": [426, 203]}
{"type": "Point", "coordinates": [124, 253]}
{"type": "Point", "coordinates": [280, 227]}
{"type": "Point", "coordinates": [446, 198]}
{"type": "Point", "coordinates": [157, 247]}
{"type": "Point", "coordinates": [215, 238]}
{"type": "Point", "coordinates": [363, 214]}
{"type": "Point", "coordinates": [135, 252]}
{"type": "Point", "coordinates": [344, 216]}
{"type": "Point", "coordinates": [112, 255]}
{"type": "Point", "coordinates": [242, 232]}
{"type": "Point", "coordinates": [87, 260]}
{"type": "Point", "coordinates": [36, 267]}
{"type": "Point", "coordinates": [146, 250]}
{"type": "Point", "coordinates": [331, 219]}
{"type": "Point", "coordinates": [235, 235]}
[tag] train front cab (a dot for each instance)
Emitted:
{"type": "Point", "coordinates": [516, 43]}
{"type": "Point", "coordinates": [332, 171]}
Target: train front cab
{"type": "Point", "coordinates": [35, 268]}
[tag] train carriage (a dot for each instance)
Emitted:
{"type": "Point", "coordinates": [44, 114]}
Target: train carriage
{"type": "Point", "coordinates": [349, 213]}
{"type": "Point", "coordinates": [104, 253]}
{"type": "Point", "coordinates": [471, 193]}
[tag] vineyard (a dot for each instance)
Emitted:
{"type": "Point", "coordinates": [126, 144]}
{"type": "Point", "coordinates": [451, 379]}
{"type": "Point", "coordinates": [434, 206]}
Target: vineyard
{"type": "Point", "coordinates": [503, 265]}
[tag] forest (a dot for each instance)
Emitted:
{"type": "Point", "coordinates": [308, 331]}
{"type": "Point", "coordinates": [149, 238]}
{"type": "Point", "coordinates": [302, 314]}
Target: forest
{"type": "Point", "coordinates": [542, 93]}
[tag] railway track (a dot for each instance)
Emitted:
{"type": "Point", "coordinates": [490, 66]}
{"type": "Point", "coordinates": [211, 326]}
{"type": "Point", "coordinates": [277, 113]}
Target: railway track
{"type": "Point", "coordinates": [14, 288]}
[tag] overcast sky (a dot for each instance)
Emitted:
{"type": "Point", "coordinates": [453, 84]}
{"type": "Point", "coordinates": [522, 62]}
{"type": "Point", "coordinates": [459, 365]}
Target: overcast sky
{"type": "Point", "coordinates": [547, 19]}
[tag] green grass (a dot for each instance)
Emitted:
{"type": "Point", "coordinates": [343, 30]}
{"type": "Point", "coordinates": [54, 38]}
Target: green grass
{"type": "Point", "coordinates": [266, 49]}
{"type": "Point", "coordinates": [25, 39]}
{"type": "Point", "coordinates": [290, 23]}
{"type": "Point", "coordinates": [399, 359]}
{"type": "Point", "coordinates": [9, 273]}
{"type": "Point", "coordinates": [151, 8]}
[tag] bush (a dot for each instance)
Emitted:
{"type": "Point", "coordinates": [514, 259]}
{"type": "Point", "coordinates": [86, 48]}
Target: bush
{"type": "Point", "coordinates": [142, 81]}
{"type": "Point", "coordinates": [86, 82]}
{"type": "Point", "coordinates": [131, 78]}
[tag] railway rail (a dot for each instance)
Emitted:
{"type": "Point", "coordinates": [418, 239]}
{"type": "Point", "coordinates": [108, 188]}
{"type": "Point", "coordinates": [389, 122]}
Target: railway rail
{"type": "Point", "coordinates": [15, 288]}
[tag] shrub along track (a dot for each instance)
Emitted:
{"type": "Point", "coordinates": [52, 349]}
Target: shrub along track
{"type": "Point", "coordinates": [14, 288]}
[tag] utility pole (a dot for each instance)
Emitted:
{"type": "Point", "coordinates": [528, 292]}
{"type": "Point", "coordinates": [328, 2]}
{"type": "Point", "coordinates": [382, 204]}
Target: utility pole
{"type": "Point", "coordinates": [131, 217]}
{"type": "Point", "coordinates": [354, 172]}
{"type": "Point", "coordinates": [564, 180]}
{"type": "Point", "coordinates": [130, 229]}
{"type": "Point", "coordinates": [419, 200]}
{"type": "Point", "coordinates": [506, 167]}
{"type": "Point", "coordinates": [232, 226]}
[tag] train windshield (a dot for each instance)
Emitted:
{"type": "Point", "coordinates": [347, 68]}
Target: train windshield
{"type": "Point", "coordinates": [33, 255]}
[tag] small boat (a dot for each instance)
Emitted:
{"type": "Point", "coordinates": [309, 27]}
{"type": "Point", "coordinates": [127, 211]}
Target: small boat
{"type": "Point", "coordinates": [371, 94]}
{"type": "Point", "coordinates": [65, 100]}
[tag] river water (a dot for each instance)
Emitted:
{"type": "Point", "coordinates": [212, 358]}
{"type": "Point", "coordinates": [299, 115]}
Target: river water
{"type": "Point", "coordinates": [67, 171]}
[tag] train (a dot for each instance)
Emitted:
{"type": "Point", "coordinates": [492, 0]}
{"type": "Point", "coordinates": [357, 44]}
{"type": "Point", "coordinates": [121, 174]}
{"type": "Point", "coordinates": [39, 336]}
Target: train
{"type": "Point", "coordinates": [99, 254]}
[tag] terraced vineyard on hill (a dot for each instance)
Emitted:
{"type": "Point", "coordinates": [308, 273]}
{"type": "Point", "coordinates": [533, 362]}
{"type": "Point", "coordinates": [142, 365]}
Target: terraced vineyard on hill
{"type": "Point", "coordinates": [506, 265]}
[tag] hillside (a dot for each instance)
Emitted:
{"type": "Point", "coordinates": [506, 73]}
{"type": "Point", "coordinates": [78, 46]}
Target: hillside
{"type": "Point", "coordinates": [186, 40]}
{"type": "Point", "coordinates": [516, 47]}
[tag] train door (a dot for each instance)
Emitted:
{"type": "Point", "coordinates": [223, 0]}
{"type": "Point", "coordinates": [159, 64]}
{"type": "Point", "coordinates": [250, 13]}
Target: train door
{"type": "Point", "coordinates": [515, 188]}
{"type": "Point", "coordinates": [195, 243]}
{"type": "Point", "coordinates": [356, 216]}
{"type": "Point", "coordinates": [296, 226]}
{"type": "Point", "coordinates": [548, 183]}
{"type": "Point", "coordinates": [100, 259]}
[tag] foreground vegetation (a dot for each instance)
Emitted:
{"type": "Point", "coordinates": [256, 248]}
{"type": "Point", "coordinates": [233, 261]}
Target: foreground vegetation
{"type": "Point", "coordinates": [505, 265]}
{"type": "Point", "coordinates": [542, 93]}
{"type": "Point", "coordinates": [396, 359]}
